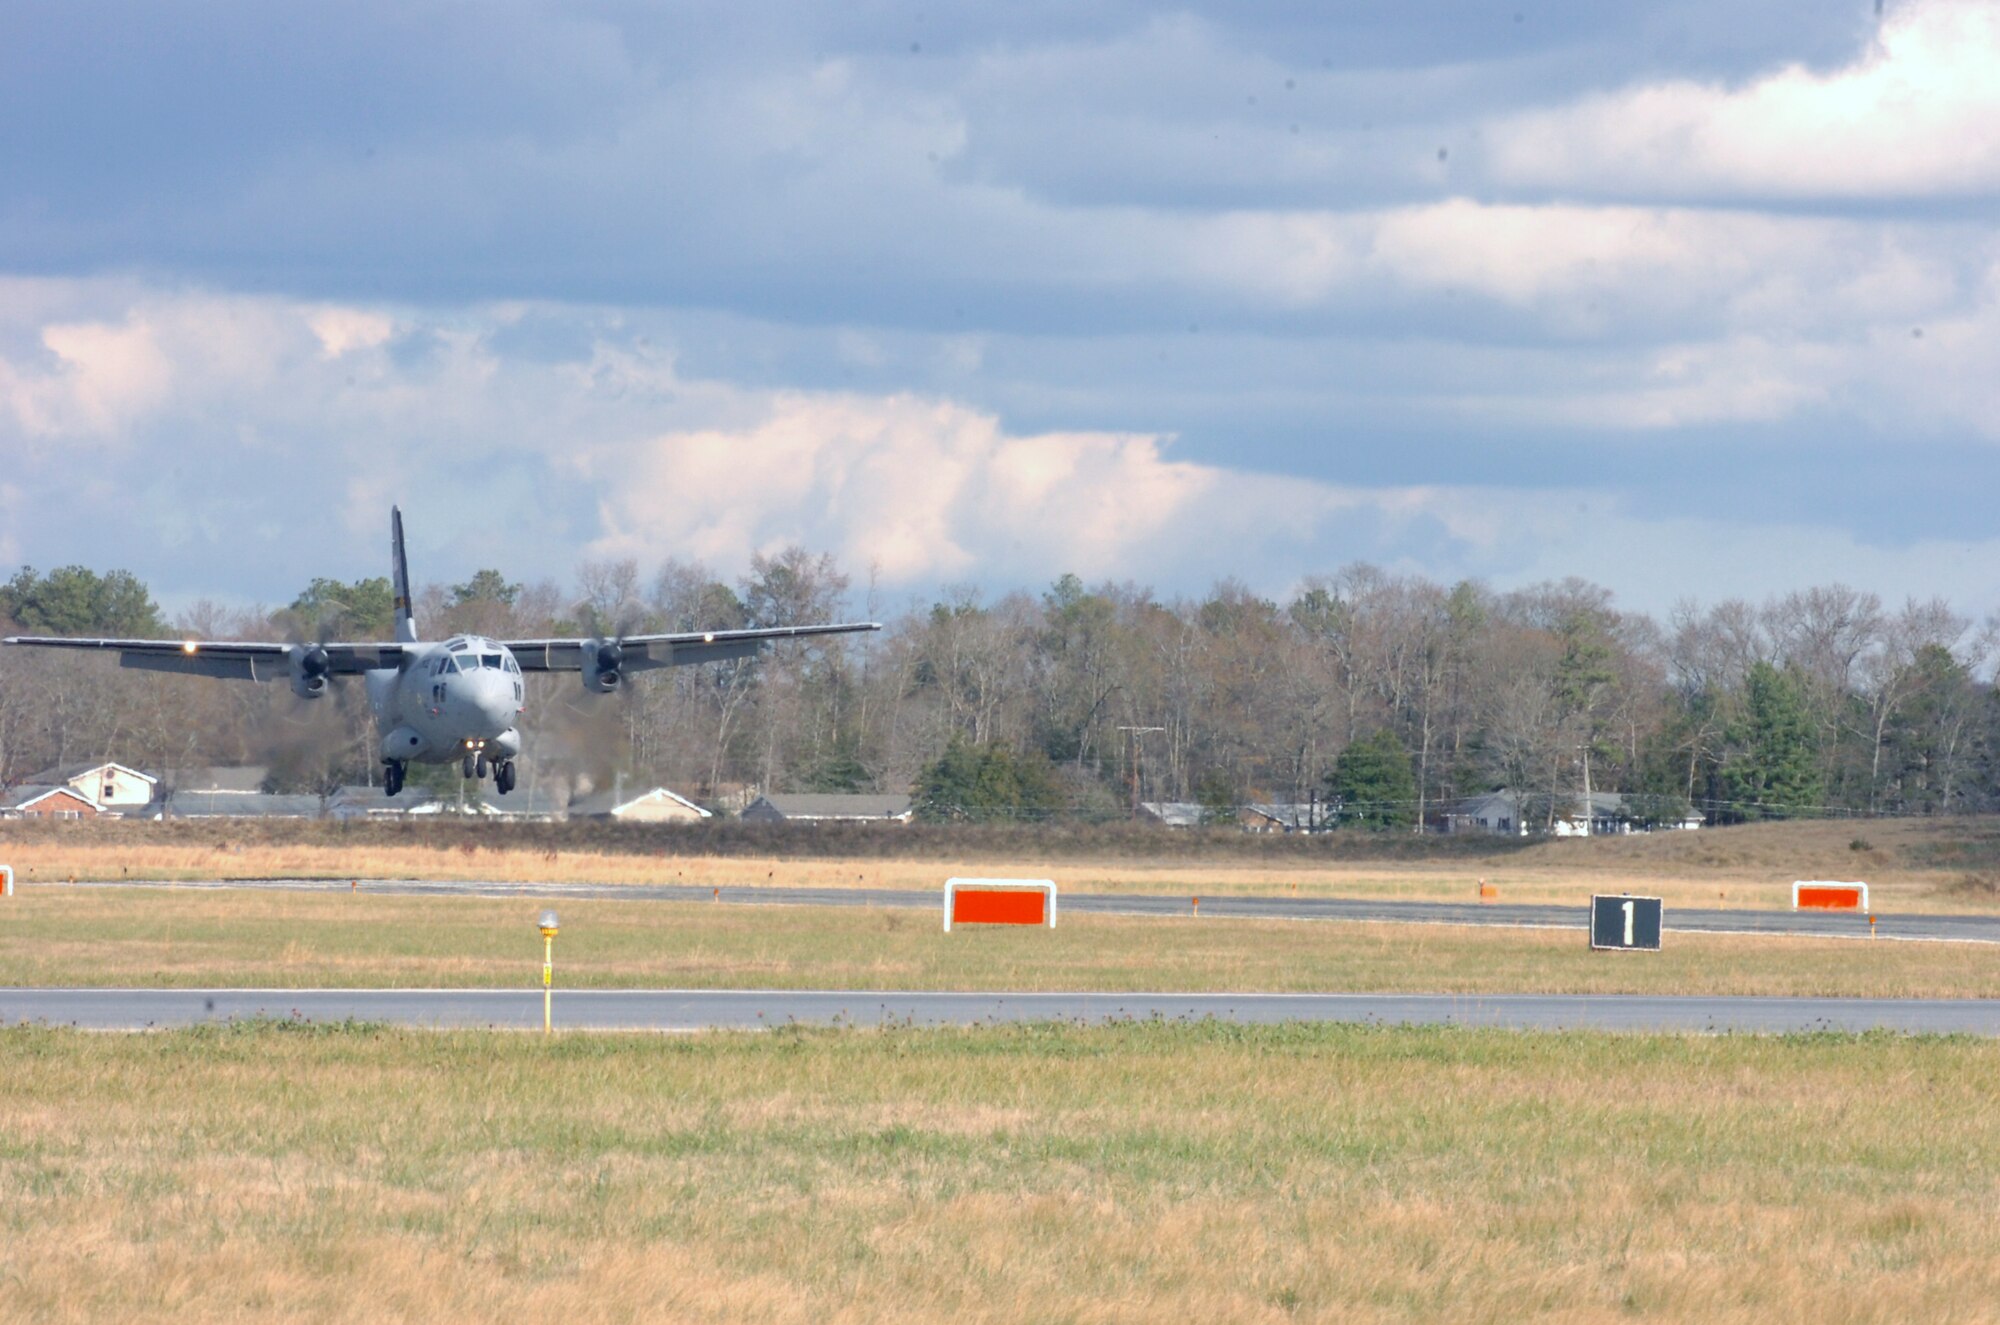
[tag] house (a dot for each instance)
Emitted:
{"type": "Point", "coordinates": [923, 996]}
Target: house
{"type": "Point", "coordinates": [1610, 814]}
{"type": "Point", "coordinates": [358, 802]}
{"type": "Point", "coordinates": [32, 801]}
{"type": "Point", "coordinates": [206, 804]}
{"type": "Point", "coordinates": [828, 807]}
{"type": "Point", "coordinates": [1286, 817]}
{"type": "Point", "coordinates": [542, 803]}
{"type": "Point", "coordinates": [1606, 816]}
{"type": "Point", "coordinates": [1495, 812]}
{"type": "Point", "coordinates": [221, 777]}
{"type": "Point", "coordinates": [112, 788]}
{"type": "Point", "coordinates": [659, 805]}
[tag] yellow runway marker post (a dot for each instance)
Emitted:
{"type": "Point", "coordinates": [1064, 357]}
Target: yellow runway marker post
{"type": "Point", "coordinates": [548, 926]}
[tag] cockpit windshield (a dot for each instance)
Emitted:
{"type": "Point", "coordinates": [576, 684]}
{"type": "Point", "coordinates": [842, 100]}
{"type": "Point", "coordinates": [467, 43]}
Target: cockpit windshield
{"type": "Point", "coordinates": [490, 660]}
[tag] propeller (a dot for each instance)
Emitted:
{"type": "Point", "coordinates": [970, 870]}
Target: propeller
{"type": "Point", "coordinates": [604, 650]}
{"type": "Point", "coordinates": [310, 663]}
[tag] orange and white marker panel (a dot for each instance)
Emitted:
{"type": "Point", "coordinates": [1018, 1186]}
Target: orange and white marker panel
{"type": "Point", "coordinates": [1818, 894]}
{"type": "Point", "coordinates": [999, 902]}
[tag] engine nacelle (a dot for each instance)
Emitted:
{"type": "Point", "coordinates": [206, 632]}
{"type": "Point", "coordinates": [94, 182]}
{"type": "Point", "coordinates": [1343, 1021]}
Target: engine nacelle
{"type": "Point", "coordinates": [310, 669]}
{"type": "Point", "coordinates": [603, 661]}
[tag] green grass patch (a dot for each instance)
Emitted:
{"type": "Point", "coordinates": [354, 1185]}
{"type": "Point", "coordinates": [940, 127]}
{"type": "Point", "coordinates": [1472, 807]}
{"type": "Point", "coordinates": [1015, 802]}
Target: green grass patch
{"type": "Point", "coordinates": [191, 938]}
{"type": "Point", "coordinates": [1030, 1173]}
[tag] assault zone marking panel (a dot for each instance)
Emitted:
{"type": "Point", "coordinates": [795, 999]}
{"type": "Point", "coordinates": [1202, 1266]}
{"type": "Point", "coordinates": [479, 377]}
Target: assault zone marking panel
{"type": "Point", "coordinates": [999, 902]}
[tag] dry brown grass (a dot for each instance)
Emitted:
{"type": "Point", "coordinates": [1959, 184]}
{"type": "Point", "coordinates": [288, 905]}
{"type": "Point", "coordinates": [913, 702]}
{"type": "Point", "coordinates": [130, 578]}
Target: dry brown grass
{"type": "Point", "coordinates": [1138, 1173]}
{"type": "Point", "coordinates": [1523, 877]}
{"type": "Point", "coordinates": [150, 937]}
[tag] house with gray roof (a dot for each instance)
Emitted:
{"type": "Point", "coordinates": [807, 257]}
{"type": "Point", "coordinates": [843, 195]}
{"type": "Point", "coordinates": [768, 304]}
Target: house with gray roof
{"type": "Point", "coordinates": [359, 802]}
{"type": "Point", "coordinates": [204, 804]}
{"type": "Point", "coordinates": [35, 801]}
{"type": "Point", "coordinates": [827, 807]}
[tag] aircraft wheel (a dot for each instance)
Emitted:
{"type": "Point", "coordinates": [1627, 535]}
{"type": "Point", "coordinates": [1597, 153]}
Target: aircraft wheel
{"type": "Point", "coordinates": [479, 769]}
{"type": "Point", "coordinates": [465, 767]}
{"type": "Point", "coordinates": [503, 777]}
{"type": "Point", "coordinates": [392, 777]}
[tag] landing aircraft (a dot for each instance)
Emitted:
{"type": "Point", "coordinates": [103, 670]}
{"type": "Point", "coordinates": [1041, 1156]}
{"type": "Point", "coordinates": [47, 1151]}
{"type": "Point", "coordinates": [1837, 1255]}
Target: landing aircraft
{"type": "Point", "coordinates": [435, 703]}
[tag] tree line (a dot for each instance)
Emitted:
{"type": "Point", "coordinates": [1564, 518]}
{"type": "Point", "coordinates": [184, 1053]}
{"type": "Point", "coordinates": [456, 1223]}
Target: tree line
{"type": "Point", "coordinates": [1389, 697]}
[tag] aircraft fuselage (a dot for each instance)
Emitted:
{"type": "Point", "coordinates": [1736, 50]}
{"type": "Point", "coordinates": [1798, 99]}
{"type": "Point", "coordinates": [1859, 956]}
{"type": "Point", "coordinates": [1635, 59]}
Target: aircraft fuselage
{"type": "Point", "coordinates": [459, 698]}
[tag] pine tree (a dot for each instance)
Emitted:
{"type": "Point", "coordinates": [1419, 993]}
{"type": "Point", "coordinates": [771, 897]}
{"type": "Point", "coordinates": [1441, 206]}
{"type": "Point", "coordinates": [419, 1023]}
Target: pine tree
{"type": "Point", "coordinates": [1775, 769]}
{"type": "Point", "coordinates": [985, 782]}
{"type": "Point", "coordinates": [1373, 782]}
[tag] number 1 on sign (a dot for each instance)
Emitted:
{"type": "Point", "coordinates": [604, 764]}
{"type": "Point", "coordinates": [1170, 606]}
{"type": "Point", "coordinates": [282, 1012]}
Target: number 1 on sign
{"type": "Point", "coordinates": [1628, 924]}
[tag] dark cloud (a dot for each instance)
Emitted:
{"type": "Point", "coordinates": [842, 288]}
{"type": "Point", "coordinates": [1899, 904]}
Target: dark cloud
{"type": "Point", "coordinates": [1289, 237]}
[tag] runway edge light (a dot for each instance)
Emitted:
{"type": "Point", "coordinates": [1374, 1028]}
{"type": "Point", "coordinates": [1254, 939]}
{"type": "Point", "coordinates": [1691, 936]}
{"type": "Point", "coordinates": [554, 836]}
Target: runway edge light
{"type": "Point", "coordinates": [548, 925]}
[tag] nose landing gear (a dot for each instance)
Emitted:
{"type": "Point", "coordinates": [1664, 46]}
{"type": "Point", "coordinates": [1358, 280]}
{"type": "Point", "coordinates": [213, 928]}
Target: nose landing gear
{"type": "Point", "coordinates": [477, 766]}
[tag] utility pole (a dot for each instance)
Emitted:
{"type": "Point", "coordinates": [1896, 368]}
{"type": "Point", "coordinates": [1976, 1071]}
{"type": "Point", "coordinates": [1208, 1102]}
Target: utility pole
{"type": "Point", "coordinates": [1589, 806]}
{"type": "Point", "coordinates": [1132, 763]}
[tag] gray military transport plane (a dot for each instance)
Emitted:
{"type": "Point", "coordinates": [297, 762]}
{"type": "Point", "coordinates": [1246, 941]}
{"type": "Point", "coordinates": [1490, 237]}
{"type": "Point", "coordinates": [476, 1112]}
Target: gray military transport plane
{"type": "Point", "coordinates": [438, 702]}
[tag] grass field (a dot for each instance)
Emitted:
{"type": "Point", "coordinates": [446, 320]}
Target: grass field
{"type": "Point", "coordinates": [196, 937]}
{"type": "Point", "coordinates": [1926, 865]}
{"type": "Point", "coordinates": [1134, 1173]}
{"type": "Point", "coordinates": [1111, 1174]}
{"type": "Point", "coordinates": [1913, 865]}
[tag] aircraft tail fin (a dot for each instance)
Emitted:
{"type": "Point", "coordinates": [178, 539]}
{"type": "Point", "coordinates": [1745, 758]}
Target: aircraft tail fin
{"type": "Point", "coordinates": [406, 622]}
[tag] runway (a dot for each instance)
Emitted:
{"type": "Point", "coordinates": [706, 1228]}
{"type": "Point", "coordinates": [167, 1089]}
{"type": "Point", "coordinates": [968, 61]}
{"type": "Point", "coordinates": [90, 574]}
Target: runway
{"type": "Point", "coordinates": [741, 1009]}
{"type": "Point", "coordinates": [1819, 924]}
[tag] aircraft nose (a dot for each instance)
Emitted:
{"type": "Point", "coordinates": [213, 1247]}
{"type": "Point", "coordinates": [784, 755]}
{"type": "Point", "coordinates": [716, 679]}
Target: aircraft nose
{"type": "Point", "coordinates": [495, 699]}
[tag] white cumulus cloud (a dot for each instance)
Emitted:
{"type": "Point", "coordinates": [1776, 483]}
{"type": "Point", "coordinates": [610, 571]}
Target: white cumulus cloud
{"type": "Point", "coordinates": [1916, 115]}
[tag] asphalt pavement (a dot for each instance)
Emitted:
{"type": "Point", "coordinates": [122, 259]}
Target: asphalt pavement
{"type": "Point", "coordinates": [711, 1009]}
{"type": "Point", "coordinates": [1820, 924]}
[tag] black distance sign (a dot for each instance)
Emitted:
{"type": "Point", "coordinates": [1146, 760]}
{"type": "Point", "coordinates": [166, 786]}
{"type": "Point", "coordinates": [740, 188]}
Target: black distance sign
{"type": "Point", "coordinates": [1625, 924]}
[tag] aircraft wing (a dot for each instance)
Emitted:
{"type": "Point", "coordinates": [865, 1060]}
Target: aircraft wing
{"type": "Point", "coordinates": [224, 658]}
{"type": "Point", "coordinates": [644, 652]}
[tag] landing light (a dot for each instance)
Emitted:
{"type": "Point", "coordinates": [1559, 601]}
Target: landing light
{"type": "Point", "coordinates": [709, 638]}
{"type": "Point", "coordinates": [189, 646]}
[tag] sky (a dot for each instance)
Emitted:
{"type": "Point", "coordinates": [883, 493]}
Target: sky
{"type": "Point", "coordinates": [1692, 299]}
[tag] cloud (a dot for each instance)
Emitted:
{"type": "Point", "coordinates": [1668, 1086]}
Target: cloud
{"type": "Point", "coordinates": [103, 375]}
{"type": "Point", "coordinates": [268, 458]}
{"type": "Point", "coordinates": [343, 329]}
{"type": "Point", "coordinates": [921, 490]}
{"type": "Point", "coordinates": [1917, 115]}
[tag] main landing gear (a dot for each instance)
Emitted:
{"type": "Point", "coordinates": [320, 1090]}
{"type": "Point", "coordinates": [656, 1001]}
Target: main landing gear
{"type": "Point", "coordinates": [392, 776]}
